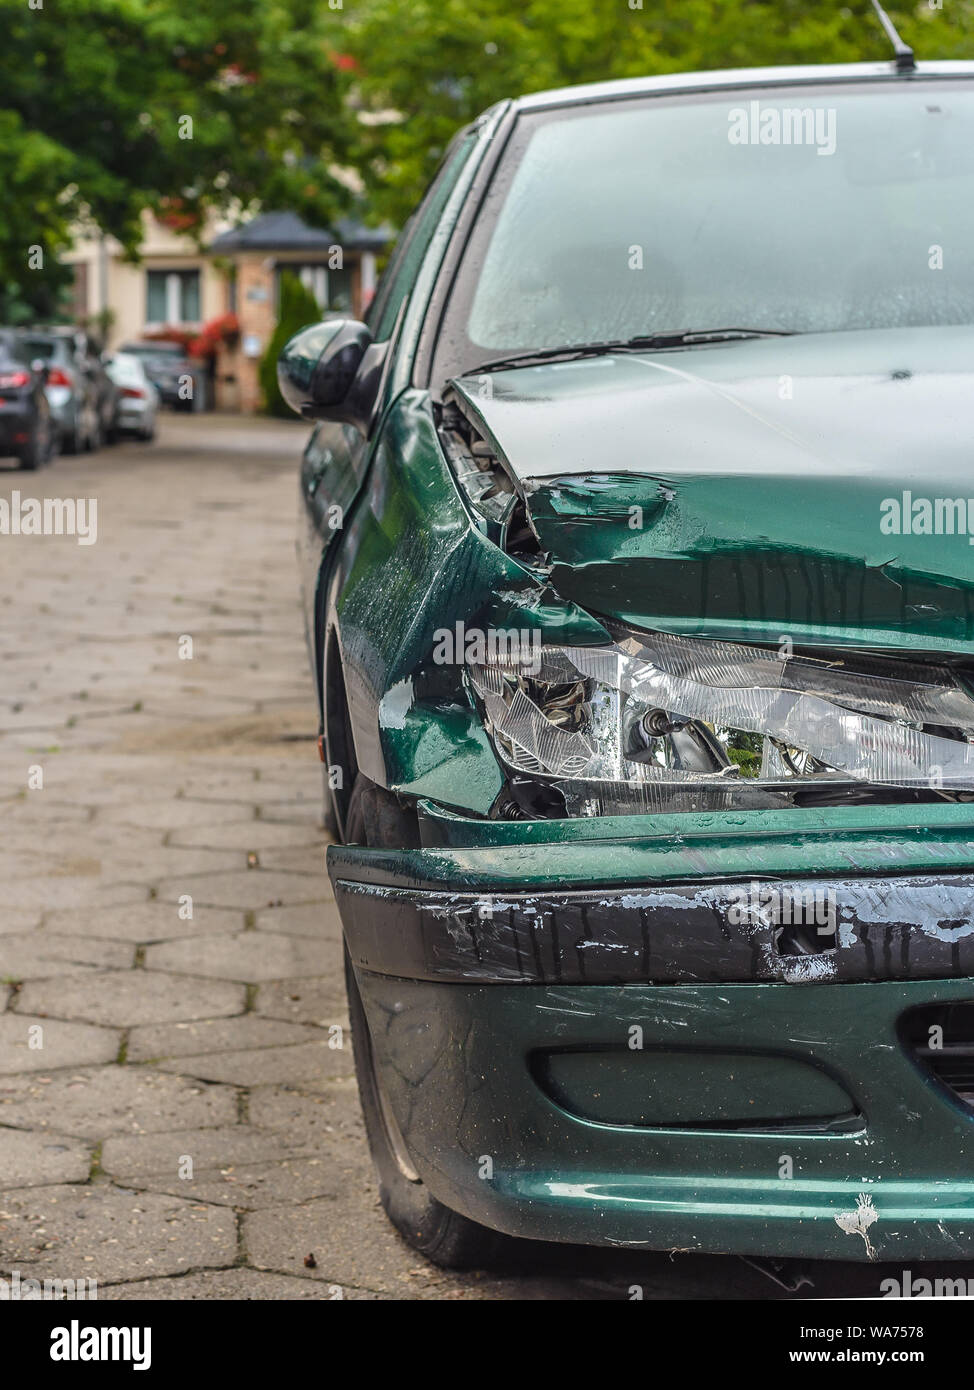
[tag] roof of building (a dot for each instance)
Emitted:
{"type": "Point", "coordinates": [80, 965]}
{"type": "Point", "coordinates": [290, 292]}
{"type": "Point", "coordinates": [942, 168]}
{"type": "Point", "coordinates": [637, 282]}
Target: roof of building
{"type": "Point", "coordinates": [286, 231]}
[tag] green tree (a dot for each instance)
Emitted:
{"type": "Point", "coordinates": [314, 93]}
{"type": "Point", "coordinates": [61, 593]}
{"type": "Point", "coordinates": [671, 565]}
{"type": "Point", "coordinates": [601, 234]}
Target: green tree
{"type": "Point", "coordinates": [298, 307]}
{"type": "Point", "coordinates": [111, 106]}
{"type": "Point", "coordinates": [437, 63]}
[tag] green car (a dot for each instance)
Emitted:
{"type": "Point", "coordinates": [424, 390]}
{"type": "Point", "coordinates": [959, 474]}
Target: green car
{"type": "Point", "coordinates": [637, 552]}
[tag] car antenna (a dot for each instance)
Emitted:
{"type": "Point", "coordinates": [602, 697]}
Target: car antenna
{"type": "Point", "coordinates": [905, 61]}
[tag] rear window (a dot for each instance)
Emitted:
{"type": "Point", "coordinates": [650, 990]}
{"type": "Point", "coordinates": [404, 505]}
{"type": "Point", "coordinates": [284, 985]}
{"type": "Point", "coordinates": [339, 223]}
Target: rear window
{"type": "Point", "coordinates": [126, 368]}
{"type": "Point", "coordinates": [38, 347]}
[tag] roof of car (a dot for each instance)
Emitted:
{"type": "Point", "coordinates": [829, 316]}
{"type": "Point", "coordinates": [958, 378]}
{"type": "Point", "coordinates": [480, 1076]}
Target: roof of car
{"type": "Point", "coordinates": [728, 79]}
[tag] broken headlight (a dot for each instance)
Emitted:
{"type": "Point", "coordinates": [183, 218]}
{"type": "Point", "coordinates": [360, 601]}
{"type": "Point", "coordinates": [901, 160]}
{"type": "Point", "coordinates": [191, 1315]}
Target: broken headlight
{"type": "Point", "coordinates": [662, 722]}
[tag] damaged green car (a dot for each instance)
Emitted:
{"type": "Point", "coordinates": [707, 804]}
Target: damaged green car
{"type": "Point", "coordinates": [636, 551]}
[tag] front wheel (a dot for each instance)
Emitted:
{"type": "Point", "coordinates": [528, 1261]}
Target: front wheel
{"type": "Point", "coordinates": [375, 817]}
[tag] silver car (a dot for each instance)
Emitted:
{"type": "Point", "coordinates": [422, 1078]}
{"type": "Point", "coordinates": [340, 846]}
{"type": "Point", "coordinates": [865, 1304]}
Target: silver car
{"type": "Point", "coordinates": [138, 399]}
{"type": "Point", "coordinates": [71, 388]}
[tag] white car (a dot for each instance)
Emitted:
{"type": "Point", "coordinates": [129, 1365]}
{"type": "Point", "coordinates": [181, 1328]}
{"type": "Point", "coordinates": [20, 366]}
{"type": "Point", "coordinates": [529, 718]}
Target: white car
{"type": "Point", "coordinates": [138, 399]}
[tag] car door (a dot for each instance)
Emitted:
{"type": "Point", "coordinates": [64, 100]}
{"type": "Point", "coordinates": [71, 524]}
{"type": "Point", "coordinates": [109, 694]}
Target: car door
{"type": "Point", "coordinates": [336, 459]}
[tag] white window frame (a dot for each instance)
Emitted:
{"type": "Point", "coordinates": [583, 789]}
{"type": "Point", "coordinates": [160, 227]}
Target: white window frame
{"type": "Point", "coordinates": [175, 280]}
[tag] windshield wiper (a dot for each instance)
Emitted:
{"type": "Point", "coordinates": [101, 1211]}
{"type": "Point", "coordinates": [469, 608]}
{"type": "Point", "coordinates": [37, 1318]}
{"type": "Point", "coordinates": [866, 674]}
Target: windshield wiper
{"type": "Point", "coordinates": [650, 341]}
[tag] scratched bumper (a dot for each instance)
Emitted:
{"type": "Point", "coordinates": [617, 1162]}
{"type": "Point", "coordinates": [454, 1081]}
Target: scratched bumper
{"type": "Point", "coordinates": [466, 1071]}
{"type": "Point", "coordinates": [882, 901]}
{"type": "Point", "coordinates": [884, 929]}
{"type": "Point", "coordinates": [576, 1004]}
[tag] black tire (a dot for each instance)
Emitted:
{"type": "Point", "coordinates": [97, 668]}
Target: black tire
{"type": "Point", "coordinates": [71, 443]}
{"type": "Point", "coordinates": [53, 442]}
{"type": "Point", "coordinates": [376, 817]}
{"type": "Point", "coordinates": [33, 456]}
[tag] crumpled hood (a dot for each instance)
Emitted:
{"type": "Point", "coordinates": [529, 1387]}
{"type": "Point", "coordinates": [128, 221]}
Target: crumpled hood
{"type": "Point", "coordinates": [772, 487]}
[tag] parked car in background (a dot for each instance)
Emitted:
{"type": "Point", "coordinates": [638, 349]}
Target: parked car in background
{"type": "Point", "coordinates": [647, 717]}
{"type": "Point", "coordinates": [28, 429]}
{"type": "Point", "coordinates": [170, 371]}
{"type": "Point", "coordinates": [137, 400]}
{"type": "Point", "coordinates": [91, 357]}
{"type": "Point", "coordinates": [80, 394]}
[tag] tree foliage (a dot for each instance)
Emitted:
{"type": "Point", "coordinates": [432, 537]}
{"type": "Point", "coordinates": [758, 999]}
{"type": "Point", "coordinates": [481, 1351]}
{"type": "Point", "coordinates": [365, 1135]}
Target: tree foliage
{"type": "Point", "coordinates": [297, 308]}
{"type": "Point", "coordinates": [111, 106]}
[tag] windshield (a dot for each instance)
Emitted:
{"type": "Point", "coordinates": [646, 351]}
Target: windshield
{"type": "Point", "coordinates": [790, 209]}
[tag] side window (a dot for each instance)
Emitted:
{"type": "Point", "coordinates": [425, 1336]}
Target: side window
{"type": "Point", "coordinates": [406, 259]}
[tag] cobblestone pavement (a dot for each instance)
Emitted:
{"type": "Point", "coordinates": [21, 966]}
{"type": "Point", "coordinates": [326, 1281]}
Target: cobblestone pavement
{"type": "Point", "coordinates": [174, 1120]}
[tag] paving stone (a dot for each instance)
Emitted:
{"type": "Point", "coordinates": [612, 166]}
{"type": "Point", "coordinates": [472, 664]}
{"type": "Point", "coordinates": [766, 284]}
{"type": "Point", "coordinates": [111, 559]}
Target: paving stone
{"type": "Point", "coordinates": [311, 1065]}
{"type": "Point", "coordinates": [317, 920]}
{"type": "Point", "coordinates": [145, 922]}
{"type": "Point", "coordinates": [104, 1232]}
{"type": "Point", "coordinates": [136, 1156]}
{"type": "Point", "coordinates": [217, 1285]}
{"type": "Point", "coordinates": [14, 921]}
{"type": "Point", "coordinates": [176, 812]}
{"type": "Point", "coordinates": [310, 1119]}
{"type": "Point", "coordinates": [64, 892]}
{"type": "Point", "coordinates": [29, 1043]}
{"type": "Point", "coordinates": [98, 1102]}
{"type": "Point", "coordinates": [299, 813]}
{"type": "Point", "coordinates": [248, 955]}
{"type": "Point", "coordinates": [250, 890]}
{"type": "Point", "coordinates": [351, 1241]}
{"type": "Point", "coordinates": [259, 835]}
{"type": "Point", "coordinates": [253, 1187]}
{"type": "Point", "coordinates": [212, 1035]}
{"type": "Point", "coordinates": [27, 1159]}
{"type": "Point", "coordinates": [298, 858]}
{"type": "Point", "coordinates": [122, 998]}
{"type": "Point", "coordinates": [38, 954]}
{"type": "Point", "coordinates": [318, 1001]}
{"type": "Point", "coordinates": [153, 865]}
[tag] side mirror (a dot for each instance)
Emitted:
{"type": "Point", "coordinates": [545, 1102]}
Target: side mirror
{"type": "Point", "coordinates": [331, 371]}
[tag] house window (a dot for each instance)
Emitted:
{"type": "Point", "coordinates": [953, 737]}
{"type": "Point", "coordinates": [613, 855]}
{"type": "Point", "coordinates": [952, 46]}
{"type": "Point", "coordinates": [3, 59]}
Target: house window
{"type": "Point", "coordinates": [331, 287]}
{"type": "Point", "coordinates": [172, 296]}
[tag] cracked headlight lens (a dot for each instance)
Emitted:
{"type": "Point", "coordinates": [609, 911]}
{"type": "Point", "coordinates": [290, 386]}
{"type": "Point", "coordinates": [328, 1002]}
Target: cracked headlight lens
{"type": "Point", "coordinates": [655, 716]}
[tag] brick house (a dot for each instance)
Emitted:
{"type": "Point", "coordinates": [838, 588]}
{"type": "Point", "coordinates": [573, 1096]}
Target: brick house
{"type": "Point", "coordinates": [338, 267]}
